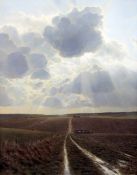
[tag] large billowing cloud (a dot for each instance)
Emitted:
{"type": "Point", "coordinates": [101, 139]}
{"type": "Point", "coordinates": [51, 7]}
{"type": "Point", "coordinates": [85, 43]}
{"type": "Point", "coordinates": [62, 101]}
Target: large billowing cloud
{"type": "Point", "coordinates": [72, 82]}
{"type": "Point", "coordinates": [88, 83]}
{"type": "Point", "coordinates": [76, 33]}
{"type": "Point", "coordinates": [116, 88]}
{"type": "Point", "coordinates": [16, 61]}
{"type": "Point", "coordinates": [16, 65]}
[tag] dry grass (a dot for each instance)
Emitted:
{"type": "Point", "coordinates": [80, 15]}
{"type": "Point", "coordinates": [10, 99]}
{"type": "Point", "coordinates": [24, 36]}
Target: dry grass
{"type": "Point", "coordinates": [36, 149]}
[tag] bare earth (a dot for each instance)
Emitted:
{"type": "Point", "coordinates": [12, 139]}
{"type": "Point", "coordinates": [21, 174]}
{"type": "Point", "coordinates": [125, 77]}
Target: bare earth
{"type": "Point", "coordinates": [68, 145]}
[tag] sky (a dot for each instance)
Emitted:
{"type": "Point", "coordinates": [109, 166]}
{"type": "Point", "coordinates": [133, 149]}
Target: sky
{"type": "Point", "coordinates": [65, 56]}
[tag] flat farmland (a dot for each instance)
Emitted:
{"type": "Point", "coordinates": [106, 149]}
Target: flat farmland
{"type": "Point", "coordinates": [113, 140]}
{"type": "Point", "coordinates": [32, 145]}
{"type": "Point", "coordinates": [30, 122]}
{"type": "Point", "coordinates": [68, 145]}
{"type": "Point", "coordinates": [108, 124]}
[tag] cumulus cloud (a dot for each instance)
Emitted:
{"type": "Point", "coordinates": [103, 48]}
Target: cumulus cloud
{"type": "Point", "coordinates": [53, 91]}
{"type": "Point", "coordinates": [5, 100]}
{"type": "Point", "coordinates": [116, 88]}
{"type": "Point", "coordinates": [70, 35]}
{"type": "Point", "coordinates": [52, 102]}
{"type": "Point", "coordinates": [40, 74]}
{"type": "Point", "coordinates": [6, 44]}
{"type": "Point", "coordinates": [16, 65]}
{"type": "Point", "coordinates": [88, 83]}
{"type": "Point", "coordinates": [133, 80]}
{"type": "Point", "coordinates": [124, 78]}
{"type": "Point", "coordinates": [15, 62]}
{"type": "Point", "coordinates": [76, 33]}
{"type": "Point", "coordinates": [37, 61]}
{"type": "Point", "coordinates": [24, 50]}
{"type": "Point", "coordinates": [106, 99]}
{"type": "Point", "coordinates": [2, 61]}
{"type": "Point", "coordinates": [12, 33]}
{"type": "Point", "coordinates": [32, 39]}
{"type": "Point", "coordinates": [113, 50]}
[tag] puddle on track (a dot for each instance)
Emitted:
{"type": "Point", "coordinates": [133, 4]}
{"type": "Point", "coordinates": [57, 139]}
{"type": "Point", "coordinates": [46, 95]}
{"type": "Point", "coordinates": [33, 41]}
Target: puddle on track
{"type": "Point", "coordinates": [102, 165]}
{"type": "Point", "coordinates": [66, 162]}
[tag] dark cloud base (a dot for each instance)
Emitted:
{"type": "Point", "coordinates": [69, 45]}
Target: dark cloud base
{"type": "Point", "coordinates": [76, 33]}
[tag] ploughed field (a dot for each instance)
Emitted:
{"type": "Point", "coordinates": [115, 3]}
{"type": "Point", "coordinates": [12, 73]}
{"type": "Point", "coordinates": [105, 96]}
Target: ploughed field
{"type": "Point", "coordinates": [35, 144]}
{"type": "Point", "coordinates": [113, 140]}
{"type": "Point", "coordinates": [32, 145]}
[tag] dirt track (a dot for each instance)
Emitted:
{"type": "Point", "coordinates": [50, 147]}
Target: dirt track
{"type": "Point", "coordinates": [80, 161]}
{"type": "Point", "coordinates": [67, 152]}
{"type": "Point", "coordinates": [76, 156]}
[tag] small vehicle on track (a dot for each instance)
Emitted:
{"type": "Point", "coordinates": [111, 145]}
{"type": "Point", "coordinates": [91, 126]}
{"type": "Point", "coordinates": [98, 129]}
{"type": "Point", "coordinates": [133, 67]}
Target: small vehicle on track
{"type": "Point", "coordinates": [76, 115]}
{"type": "Point", "coordinates": [82, 131]}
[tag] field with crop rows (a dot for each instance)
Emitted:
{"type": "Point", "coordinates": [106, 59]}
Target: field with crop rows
{"type": "Point", "coordinates": [68, 145]}
{"type": "Point", "coordinates": [114, 140]}
{"type": "Point", "coordinates": [31, 145]}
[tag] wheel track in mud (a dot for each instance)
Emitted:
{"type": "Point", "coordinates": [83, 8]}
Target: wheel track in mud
{"type": "Point", "coordinates": [75, 157]}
